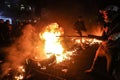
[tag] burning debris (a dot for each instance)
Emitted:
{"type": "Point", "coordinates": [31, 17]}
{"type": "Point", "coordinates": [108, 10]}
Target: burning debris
{"type": "Point", "coordinates": [43, 52]}
{"type": "Point", "coordinates": [20, 73]}
{"type": "Point", "coordinates": [26, 46]}
{"type": "Point", "coordinates": [52, 43]}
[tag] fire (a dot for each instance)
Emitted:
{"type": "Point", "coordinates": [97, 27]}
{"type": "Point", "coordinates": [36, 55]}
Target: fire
{"type": "Point", "coordinates": [88, 41]}
{"type": "Point", "coordinates": [97, 30]}
{"type": "Point", "coordinates": [20, 73]}
{"type": "Point", "coordinates": [52, 44]}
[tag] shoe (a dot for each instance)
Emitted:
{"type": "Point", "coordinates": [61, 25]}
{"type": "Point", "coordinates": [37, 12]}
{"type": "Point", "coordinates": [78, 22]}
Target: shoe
{"type": "Point", "coordinates": [89, 71]}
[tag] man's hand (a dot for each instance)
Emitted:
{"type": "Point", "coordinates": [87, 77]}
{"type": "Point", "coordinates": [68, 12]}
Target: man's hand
{"type": "Point", "coordinates": [94, 36]}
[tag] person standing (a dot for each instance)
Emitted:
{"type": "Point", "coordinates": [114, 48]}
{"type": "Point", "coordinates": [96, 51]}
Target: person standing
{"type": "Point", "coordinates": [110, 46]}
{"type": "Point", "coordinates": [79, 27]}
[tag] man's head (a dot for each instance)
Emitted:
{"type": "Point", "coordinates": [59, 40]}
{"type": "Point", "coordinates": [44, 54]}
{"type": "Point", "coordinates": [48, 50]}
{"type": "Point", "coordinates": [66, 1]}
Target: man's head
{"type": "Point", "coordinates": [109, 13]}
{"type": "Point", "coordinates": [1, 21]}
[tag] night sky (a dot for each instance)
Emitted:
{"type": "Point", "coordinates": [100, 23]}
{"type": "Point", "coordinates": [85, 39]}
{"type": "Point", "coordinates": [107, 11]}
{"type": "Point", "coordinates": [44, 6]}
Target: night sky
{"type": "Point", "coordinates": [65, 12]}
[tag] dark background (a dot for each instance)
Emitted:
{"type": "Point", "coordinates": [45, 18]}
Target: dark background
{"type": "Point", "coordinates": [64, 12]}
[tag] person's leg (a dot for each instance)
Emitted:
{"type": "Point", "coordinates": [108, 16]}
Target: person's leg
{"type": "Point", "coordinates": [108, 59]}
{"type": "Point", "coordinates": [99, 52]}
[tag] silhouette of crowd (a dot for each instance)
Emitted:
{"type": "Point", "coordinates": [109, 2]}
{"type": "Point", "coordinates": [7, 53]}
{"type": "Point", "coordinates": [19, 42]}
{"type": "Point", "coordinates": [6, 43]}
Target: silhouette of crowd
{"type": "Point", "coordinates": [9, 32]}
{"type": "Point", "coordinates": [5, 30]}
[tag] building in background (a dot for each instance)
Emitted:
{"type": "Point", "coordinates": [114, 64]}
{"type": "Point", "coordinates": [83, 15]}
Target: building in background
{"type": "Point", "coordinates": [17, 9]}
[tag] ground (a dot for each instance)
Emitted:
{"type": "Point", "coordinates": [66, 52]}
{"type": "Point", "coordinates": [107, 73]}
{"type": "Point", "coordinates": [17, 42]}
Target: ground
{"type": "Point", "coordinates": [76, 67]}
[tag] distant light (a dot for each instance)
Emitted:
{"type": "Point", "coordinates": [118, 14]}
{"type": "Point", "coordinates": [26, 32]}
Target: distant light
{"type": "Point", "coordinates": [4, 18]}
{"type": "Point", "coordinates": [9, 5]}
{"type": "Point", "coordinates": [30, 8]}
{"type": "Point", "coordinates": [22, 7]}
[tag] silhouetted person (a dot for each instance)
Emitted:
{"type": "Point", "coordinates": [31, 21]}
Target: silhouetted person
{"type": "Point", "coordinates": [79, 26]}
{"type": "Point", "coordinates": [1, 25]}
{"type": "Point", "coordinates": [7, 30]}
{"type": "Point", "coordinates": [110, 47]}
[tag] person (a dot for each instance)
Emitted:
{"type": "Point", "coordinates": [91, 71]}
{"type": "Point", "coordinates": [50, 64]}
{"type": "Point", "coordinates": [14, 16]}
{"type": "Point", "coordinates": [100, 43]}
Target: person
{"type": "Point", "coordinates": [6, 31]}
{"type": "Point", "coordinates": [110, 46]}
{"type": "Point", "coordinates": [1, 25]}
{"type": "Point", "coordinates": [79, 26]}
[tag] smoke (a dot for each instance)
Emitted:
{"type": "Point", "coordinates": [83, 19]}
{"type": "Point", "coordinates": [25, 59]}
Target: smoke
{"type": "Point", "coordinates": [28, 46]}
{"type": "Point", "coordinates": [67, 16]}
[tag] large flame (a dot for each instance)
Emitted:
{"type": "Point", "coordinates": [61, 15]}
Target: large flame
{"type": "Point", "coordinates": [52, 43]}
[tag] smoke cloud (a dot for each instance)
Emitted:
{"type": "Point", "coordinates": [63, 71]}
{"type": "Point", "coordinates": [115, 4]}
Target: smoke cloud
{"type": "Point", "coordinates": [28, 46]}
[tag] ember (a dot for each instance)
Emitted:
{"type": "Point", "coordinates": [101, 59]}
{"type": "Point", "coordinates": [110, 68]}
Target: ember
{"type": "Point", "coordinates": [20, 73]}
{"type": "Point", "coordinates": [87, 41]}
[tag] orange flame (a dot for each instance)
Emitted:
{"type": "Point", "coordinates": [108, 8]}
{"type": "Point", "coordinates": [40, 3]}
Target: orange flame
{"type": "Point", "coordinates": [20, 73]}
{"type": "Point", "coordinates": [87, 40]}
{"type": "Point", "coordinates": [52, 43]}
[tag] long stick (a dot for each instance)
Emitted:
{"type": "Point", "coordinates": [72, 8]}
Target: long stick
{"type": "Point", "coordinates": [90, 36]}
{"type": "Point", "coordinates": [71, 36]}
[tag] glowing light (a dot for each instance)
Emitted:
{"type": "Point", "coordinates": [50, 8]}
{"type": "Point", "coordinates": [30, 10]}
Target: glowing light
{"type": "Point", "coordinates": [87, 41]}
{"type": "Point", "coordinates": [4, 18]}
{"type": "Point", "coordinates": [53, 44]}
{"type": "Point", "coordinates": [20, 73]}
